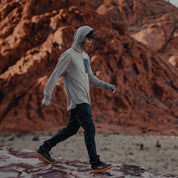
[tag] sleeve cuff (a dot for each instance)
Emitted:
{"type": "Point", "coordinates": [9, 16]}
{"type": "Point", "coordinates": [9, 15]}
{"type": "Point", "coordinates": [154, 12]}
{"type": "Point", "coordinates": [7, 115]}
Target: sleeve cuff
{"type": "Point", "coordinates": [46, 101]}
{"type": "Point", "coordinates": [108, 87]}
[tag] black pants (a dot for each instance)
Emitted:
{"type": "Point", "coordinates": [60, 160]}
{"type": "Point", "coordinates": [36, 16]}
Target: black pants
{"type": "Point", "coordinates": [80, 116]}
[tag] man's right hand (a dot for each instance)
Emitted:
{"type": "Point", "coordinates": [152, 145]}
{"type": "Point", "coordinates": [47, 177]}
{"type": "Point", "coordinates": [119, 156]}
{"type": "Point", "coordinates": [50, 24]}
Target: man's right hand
{"type": "Point", "coordinates": [45, 103]}
{"type": "Point", "coordinates": [44, 107]}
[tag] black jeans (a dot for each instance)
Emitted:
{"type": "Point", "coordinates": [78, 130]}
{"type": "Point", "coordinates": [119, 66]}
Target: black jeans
{"type": "Point", "coordinates": [80, 116]}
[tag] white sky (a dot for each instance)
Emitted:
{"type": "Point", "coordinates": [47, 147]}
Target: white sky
{"type": "Point", "coordinates": [174, 2]}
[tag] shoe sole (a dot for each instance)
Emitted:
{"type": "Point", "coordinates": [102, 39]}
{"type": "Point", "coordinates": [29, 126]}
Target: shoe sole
{"type": "Point", "coordinates": [44, 159]}
{"type": "Point", "coordinates": [102, 170]}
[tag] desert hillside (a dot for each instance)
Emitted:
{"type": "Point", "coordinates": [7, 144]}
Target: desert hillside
{"type": "Point", "coordinates": [135, 41]}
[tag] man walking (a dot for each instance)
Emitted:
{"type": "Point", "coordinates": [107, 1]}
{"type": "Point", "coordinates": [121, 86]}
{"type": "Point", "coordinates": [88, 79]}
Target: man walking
{"type": "Point", "coordinates": [74, 68]}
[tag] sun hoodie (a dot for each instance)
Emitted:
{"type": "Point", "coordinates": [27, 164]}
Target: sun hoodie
{"type": "Point", "coordinates": [75, 70]}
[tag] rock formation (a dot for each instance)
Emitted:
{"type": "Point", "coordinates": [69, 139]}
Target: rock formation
{"type": "Point", "coordinates": [157, 28]}
{"type": "Point", "coordinates": [24, 163]}
{"type": "Point", "coordinates": [34, 33]}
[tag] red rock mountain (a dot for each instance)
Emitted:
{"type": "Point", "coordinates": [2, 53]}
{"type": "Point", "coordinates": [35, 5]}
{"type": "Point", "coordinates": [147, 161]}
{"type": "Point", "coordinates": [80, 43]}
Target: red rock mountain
{"type": "Point", "coordinates": [135, 40]}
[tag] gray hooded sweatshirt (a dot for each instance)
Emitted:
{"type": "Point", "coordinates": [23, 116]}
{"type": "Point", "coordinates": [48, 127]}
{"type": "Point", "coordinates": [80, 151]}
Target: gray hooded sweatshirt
{"type": "Point", "coordinates": [74, 68]}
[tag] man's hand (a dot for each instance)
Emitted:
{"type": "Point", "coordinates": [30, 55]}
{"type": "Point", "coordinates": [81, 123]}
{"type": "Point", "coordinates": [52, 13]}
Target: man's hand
{"type": "Point", "coordinates": [44, 107]}
{"type": "Point", "coordinates": [113, 88]}
{"type": "Point", "coordinates": [45, 103]}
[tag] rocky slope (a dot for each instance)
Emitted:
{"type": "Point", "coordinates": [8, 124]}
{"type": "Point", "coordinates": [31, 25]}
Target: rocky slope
{"type": "Point", "coordinates": [157, 28]}
{"type": "Point", "coordinates": [24, 163]}
{"type": "Point", "coordinates": [34, 33]}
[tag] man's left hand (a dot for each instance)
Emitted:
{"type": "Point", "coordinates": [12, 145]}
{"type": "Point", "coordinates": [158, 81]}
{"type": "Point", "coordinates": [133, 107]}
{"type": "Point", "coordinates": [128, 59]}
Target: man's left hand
{"type": "Point", "coordinates": [113, 88]}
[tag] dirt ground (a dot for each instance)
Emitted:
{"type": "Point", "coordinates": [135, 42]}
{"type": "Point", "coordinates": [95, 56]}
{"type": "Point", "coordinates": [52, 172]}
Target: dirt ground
{"type": "Point", "coordinates": [157, 154]}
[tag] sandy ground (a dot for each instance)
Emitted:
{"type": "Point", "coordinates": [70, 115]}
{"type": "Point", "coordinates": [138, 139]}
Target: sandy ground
{"type": "Point", "coordinates": [157, 154]}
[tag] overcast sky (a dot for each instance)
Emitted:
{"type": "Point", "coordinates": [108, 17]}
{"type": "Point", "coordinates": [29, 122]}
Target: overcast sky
{"type": "Point", "coordinates": [174, 2]}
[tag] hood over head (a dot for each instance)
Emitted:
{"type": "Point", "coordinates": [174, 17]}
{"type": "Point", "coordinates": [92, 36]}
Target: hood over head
{"type": "Point", "coordinates": [79, 37]}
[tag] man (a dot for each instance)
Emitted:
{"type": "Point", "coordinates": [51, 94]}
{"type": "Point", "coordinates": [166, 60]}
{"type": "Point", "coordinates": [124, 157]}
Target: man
{"type": "Point", "coordinates": [74, 68]}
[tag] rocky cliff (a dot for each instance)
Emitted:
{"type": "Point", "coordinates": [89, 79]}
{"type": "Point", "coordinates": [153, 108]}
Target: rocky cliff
{"type": "Point", "coordinates": [34, 33]}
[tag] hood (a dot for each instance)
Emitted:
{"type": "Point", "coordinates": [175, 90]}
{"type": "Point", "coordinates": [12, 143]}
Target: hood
{"type": "Point", "coordinates": [79, 37]}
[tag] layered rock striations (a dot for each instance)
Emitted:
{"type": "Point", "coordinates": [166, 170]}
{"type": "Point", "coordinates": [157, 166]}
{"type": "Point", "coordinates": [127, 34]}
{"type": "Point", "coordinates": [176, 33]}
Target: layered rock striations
{"type": "Point", "coordinates": [34, 33]}
{"type": "Point", "coordinates": [24, 163]}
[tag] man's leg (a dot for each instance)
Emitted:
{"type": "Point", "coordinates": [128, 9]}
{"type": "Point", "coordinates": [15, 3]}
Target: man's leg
{"type": "Point", "coordinates": [84, 117]}
{"type": "Point", "coordinates": [71, 129]}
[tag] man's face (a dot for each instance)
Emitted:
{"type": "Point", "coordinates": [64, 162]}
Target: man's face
{"type": "Point", "coordinates": [88, 43]}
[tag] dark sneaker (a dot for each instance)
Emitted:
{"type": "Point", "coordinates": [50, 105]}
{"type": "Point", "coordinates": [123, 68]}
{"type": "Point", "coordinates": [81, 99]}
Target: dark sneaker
{"type": "Point", "coordinates": [45, 156]}
{"type": "Point", "coordinates": [101, 167]}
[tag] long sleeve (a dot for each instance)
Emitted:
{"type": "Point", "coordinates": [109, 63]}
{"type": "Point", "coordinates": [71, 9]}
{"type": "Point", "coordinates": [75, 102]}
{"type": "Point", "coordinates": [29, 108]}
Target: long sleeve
{"type": "Point", "coordinates": [97, 82]}
{"type": "Point", "coordinates": [59, 71]}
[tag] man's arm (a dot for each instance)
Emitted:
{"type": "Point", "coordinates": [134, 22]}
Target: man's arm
{"type": "Point", "coordinates": [99, 83]}
{"type": "Point", "coordinates": [59, 71]}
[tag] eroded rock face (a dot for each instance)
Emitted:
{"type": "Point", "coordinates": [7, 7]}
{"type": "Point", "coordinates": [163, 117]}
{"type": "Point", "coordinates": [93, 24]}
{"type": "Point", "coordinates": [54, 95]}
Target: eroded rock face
{"type": "Point", "coordinates": [157, 27]}
{"type": "Point", "coordinates": [35, 33]}
{"type": "Point", "coordinates": [24, 163]}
